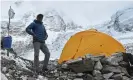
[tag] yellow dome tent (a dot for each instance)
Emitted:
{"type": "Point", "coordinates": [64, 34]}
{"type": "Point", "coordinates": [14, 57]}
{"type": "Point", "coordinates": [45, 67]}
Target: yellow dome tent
{"type": "Point", "coordinates": [90, 42]}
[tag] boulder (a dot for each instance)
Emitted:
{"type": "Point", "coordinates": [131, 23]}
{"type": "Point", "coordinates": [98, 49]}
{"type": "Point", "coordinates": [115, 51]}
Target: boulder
{"type": "Point", "coordinates": [123, 64]}
{"type": "Point", "coordinates": [113, 60]}
{"type": "Point", "coordinates": [77, 79]}
{"type": "Point", "coordinates": [109, 68]}
{"type": "Point", "coordinates": [98, 66]}
{"type": "Point", "coordinates": [80, 74]}
{"type": "Point", "coordinates": [64, 66]}
{"type": "Point", "coordinates": [56, 74]}
{"type": "Point", "coordinates": [108, 75]}
{"type": "Point", "coordinates": [94, 58]}
{"type": "Point", "coordinates": [117, 77]}
{"type": "Point", "coordinates": [31, 78]}
{"type": "Point", "coordinates": [4, 69]}
{"type": "Point", "coordinates": [73, 61]}
{"type": "Point", "coordinates": [88, 77]}
{"type": "Point", "coordinates": [126, 78]}
{"type": "Point", "coordinates": [96, 73]}
{"type": "Point", "coordinates": [82, 66]}
{"type": "Point", "coordinates": [124, 70]}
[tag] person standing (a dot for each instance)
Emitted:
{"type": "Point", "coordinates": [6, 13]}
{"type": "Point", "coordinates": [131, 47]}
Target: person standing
{"type": "Point", "coordinates": [38, 31]}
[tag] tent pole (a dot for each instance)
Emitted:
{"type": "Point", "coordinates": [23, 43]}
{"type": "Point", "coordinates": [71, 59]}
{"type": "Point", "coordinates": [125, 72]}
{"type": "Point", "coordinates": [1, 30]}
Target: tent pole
{"type": "Point", "coordinates": [8, 26]}
{"type": "Point", "coordinates": [8, 32]}
{"type": "Point", "coordinates": [7, 52]}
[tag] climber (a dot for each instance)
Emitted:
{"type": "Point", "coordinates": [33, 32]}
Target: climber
{"type": "Point", "coordinates": [38, 31]}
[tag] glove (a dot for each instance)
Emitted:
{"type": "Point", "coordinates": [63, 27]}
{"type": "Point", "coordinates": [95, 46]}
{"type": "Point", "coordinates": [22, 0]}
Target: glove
{"type": "Point", "coordinates": [34, 36]}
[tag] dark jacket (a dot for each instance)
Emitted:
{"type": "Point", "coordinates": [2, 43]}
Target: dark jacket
{"type": "Point", "coordinates": [38, 31]}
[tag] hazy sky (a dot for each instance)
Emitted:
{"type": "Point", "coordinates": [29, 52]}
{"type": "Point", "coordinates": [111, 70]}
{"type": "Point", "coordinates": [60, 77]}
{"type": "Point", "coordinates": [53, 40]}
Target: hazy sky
{"type": "Point", "coordinates": [81, 12]}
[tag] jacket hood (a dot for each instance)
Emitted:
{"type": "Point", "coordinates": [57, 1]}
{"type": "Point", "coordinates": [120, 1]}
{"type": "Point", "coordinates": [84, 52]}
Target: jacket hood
{"type": "Point", "coordinates": [37, 21]}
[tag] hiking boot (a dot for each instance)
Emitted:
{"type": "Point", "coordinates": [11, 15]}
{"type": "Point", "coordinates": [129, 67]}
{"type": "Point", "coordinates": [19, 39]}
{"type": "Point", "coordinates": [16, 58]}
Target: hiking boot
{"type": "Point", "coordinates": [44, 71]}
{"type": "Point", "coordinates": [44, 68]}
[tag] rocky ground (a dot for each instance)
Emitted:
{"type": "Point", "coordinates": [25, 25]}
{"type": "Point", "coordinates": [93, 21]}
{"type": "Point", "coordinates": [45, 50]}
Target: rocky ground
{"type": "Point", "coordinates": [89, 68]}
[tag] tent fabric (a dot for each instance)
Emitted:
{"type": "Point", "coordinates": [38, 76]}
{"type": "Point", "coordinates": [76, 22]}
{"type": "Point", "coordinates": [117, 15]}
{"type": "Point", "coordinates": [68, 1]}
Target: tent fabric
{"type": "Point", "coordinates": [90, 42]}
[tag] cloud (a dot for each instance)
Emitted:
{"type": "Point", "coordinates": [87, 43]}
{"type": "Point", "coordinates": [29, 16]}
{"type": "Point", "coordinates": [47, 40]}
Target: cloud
{"type": "Point", "coordinates": [81, 12]}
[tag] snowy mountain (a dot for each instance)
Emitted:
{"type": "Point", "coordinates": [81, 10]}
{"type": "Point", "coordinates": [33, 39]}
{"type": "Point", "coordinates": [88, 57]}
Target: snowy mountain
{"type": "Point", "coordinates": [60, 28]}
{"type": "Point", "coordinates": [122, 20]}
{"type": "Point", "coordinates": [120, 26]}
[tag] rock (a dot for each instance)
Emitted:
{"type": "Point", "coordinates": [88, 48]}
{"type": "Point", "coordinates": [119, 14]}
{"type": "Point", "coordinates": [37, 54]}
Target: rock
{"type": "Point", "coordinates": [82, 66]}
{"type": "Point", "coordinates": [56, 74]}
{"type": "Point", "coordinates": [80, 74]}
{"type": "Point", "coordinates": [31, 78]}
{"type": "Point", "coordinates": [64, 76]}
{"type": "Point", "coordinates": [88, 68]}
{"type": "Point", "coordinates": [61, 79]}
{"type": "Point", "coordinates": [88, 77]}
{"type": "Point", "coordinates": [72, 74]}
{"type": "Point", "coordinates": [52, 78]}
{"type": "Point", "coordinates": [98, 66]}
{"type": "Point", "coordinates": [123, 64]}
{"type": "Point", "coordinates": [108, 75]}
{"type": "Point", "coordinates": [94, 58]}
{"type": "Point", "coordinates": [42, 77]}
{"type": "Point", "coordinates": [24, 77]}
{"type": "Point", "coordinates": [73, 61]}
{"type": "Point", "coordinates": [10, 71]}
{"type": "Point", "coordinates": [78, 79]}
{"type": "Point", "coordinates": [108, 68]}
{"type": "Point", "coordinates": [55, 71]}
{"type": "Point", "coordinates": [97, 58]}
{"type": "Point", "coordinates": [122, 74]}
{"type": "Point", "coordinates": [96, 73]}
{"type": "Point", "coordinates": [104, 61]}
{"type": "Point", "coordinates": [51, 67]}
{"type": "Point", "coordinates": [3, 77]}
{"type": "Point", "coordinates": [65, 73]}
{"type": "Point", "coordinates": [116, 58]}
{"type": "Point", "coordinates": [117, 77]}
{"type": "Point", "coordinates": [4, 69]}
{"type": "Point", "coordinates": [7, 63]}
{"type": "Point", "coordinates": [7, 74]}
{"type": "Point", "coordinates": [124, 70]}
{"type": "Point", "coordinates": [64, 66]}
{"type": "Point", "coordinates": [126, 78]}
{"type": "Point", "coordinates": [113, 60]}
{"type": "Point", "coordinates": [98, 78]}
{"type": "Point", "coordinates": [131, 77]}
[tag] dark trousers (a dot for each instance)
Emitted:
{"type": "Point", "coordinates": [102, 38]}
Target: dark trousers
{"type": "Point", "coordinates": [37, 47]}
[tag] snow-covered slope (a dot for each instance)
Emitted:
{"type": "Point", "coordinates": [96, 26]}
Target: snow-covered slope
{"type": "Point", "coordinates": [61, 28]}
{"type": "Point", "coordinates": [3, 77]}
{"type": "Point", "coordinates": [120, 26]}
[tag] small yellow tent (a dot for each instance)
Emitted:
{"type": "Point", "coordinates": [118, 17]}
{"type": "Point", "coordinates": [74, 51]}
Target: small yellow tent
{"type": "Point", "coordinates": [90, 42]}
